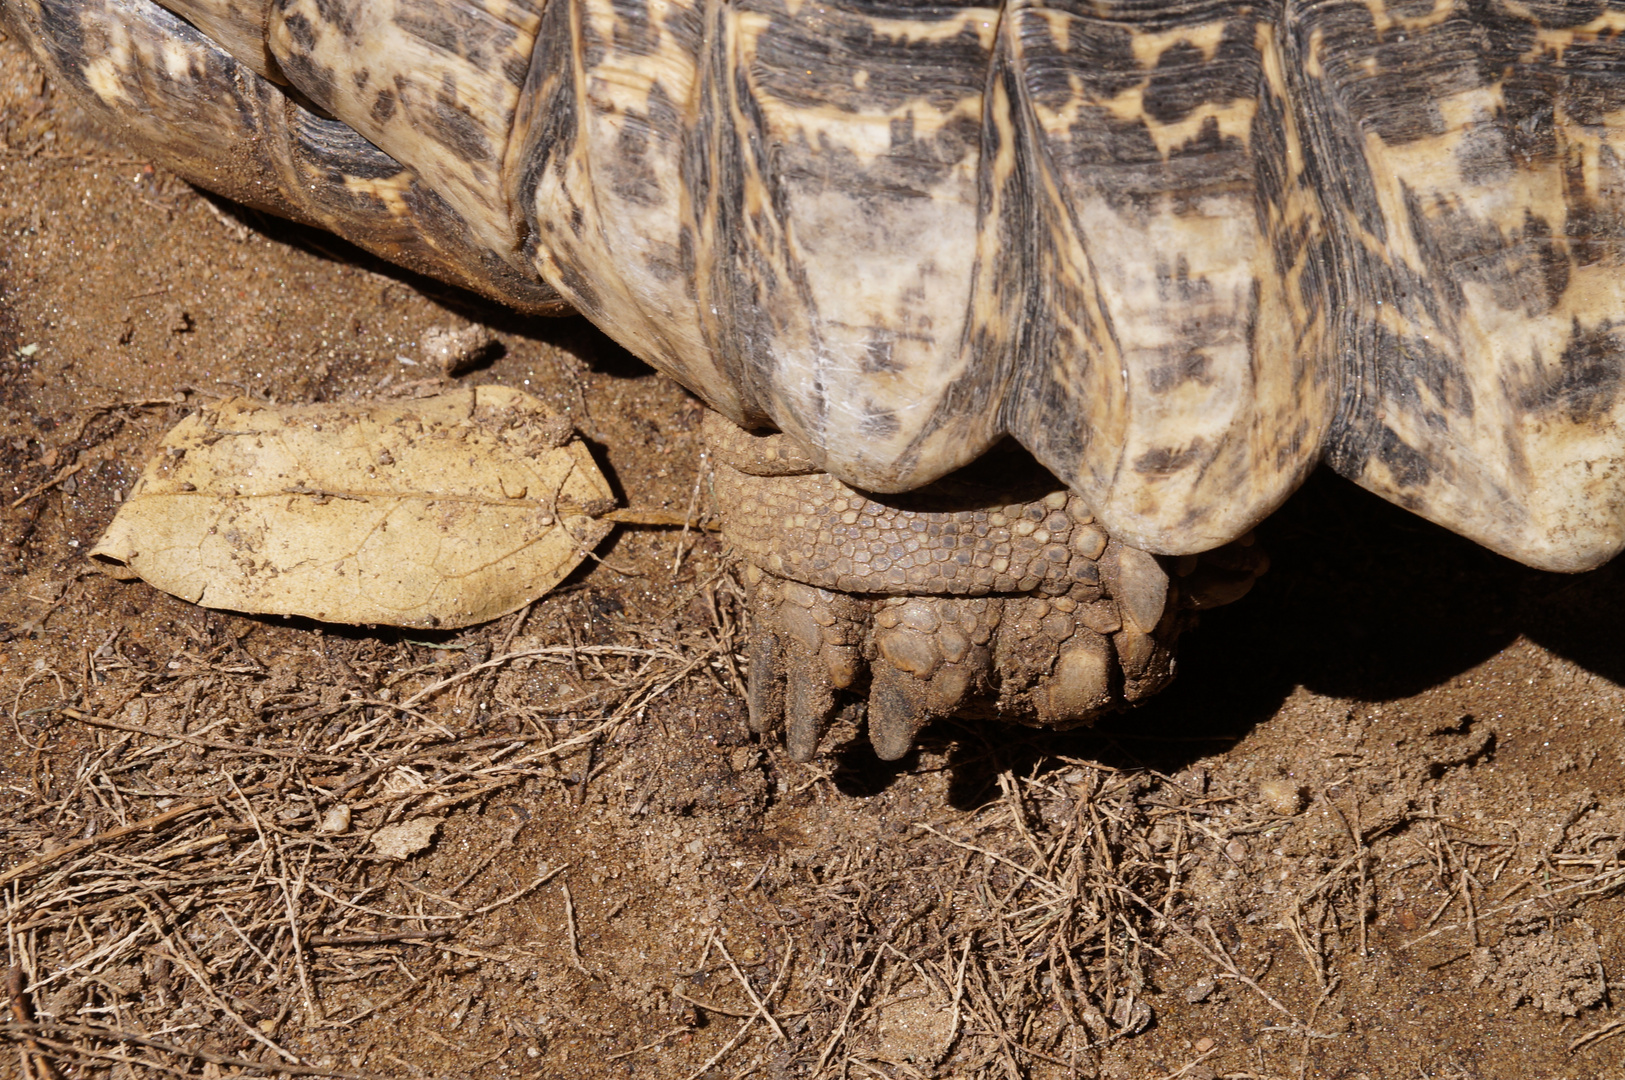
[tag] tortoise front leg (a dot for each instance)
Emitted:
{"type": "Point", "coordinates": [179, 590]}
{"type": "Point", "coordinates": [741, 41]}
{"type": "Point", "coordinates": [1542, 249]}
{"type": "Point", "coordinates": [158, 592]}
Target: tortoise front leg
{"type": "Point", "coordinates": [991, 592]}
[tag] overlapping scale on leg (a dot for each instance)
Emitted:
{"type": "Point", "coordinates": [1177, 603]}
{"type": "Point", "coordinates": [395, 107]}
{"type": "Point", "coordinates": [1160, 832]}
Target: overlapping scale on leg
{"type": "Point", "coordinates": [955, 538]}
{"type": "Point", "coordinates": [195, 108]}
{"type": "Point", "coordinates": [929, 655]}
{"type": "Point", "coordinates": [1475, 156]}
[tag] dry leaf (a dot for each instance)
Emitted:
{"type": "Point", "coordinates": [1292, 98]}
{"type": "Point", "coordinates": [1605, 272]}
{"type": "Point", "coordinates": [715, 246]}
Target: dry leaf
{"type": "Point", "coordinates": [404, 839]}
{"type": "Point", "coordinates": [439, 512]}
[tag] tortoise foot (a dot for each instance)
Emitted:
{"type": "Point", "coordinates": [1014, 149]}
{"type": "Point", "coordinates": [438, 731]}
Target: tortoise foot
{"type": "Point", "coordinates": [988, 593]}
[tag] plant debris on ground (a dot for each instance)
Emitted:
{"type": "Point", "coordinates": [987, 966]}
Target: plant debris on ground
{"type": "Point", "coordinates": [1375, 829]}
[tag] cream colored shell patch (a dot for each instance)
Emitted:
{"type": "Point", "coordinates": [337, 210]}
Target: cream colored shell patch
{"type": "Point", "coordinates": [439, 512]}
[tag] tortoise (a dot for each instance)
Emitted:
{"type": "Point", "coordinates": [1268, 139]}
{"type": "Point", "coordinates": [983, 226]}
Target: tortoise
{"type": "Point", "coordinates": [1014, 320]}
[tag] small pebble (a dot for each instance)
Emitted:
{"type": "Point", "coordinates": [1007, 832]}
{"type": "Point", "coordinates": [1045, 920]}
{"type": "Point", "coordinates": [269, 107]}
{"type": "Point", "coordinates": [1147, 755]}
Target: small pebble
{"type": "Point", "coordinates": [1200, 990]}
{"type": "Point", "coordinates": [336, 820]}
{"type": "Point", "coordinates": [178, 320]}
{"type": "Point", "coordinates": [1282, 796]}
{"type": "Point", "coordinates": [1203, 1045]}
{"type": "Point", "coordinates": [455, 350]}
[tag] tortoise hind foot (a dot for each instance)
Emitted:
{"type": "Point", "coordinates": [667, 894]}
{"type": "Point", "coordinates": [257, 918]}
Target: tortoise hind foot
{"type": "Point", "coordinates": [950, 599]}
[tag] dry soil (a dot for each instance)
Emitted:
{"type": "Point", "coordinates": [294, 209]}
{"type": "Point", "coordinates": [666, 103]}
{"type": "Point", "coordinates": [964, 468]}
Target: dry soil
{"type": "Point", "coordinates": [1376, 829]}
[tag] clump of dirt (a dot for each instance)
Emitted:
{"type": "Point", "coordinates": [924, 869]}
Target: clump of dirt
{"type": "Point", "coordinates": [1373, 830]}
{"type": "Point", "coordinates": [1553, 967]}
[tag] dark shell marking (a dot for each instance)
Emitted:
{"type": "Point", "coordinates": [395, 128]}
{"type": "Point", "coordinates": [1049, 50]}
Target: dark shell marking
{"type": "Point", "coordinates": [210, 117]}
{"type": "Point", "coordinates": [1180, 251]}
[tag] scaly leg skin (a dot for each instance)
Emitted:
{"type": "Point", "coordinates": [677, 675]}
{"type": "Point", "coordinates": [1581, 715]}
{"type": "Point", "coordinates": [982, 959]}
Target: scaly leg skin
{"type": "Point", "coordinates": [991, 592]}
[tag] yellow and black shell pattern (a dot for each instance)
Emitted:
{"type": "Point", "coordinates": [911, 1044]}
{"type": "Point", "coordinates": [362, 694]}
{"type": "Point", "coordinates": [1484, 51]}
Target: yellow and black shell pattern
{"type": "Point", "coordinates": [1181, 251]}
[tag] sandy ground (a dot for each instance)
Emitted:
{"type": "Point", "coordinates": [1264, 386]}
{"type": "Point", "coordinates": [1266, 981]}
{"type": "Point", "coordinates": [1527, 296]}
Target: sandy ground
{"type": "Point", "coordinates": [1375, 830]}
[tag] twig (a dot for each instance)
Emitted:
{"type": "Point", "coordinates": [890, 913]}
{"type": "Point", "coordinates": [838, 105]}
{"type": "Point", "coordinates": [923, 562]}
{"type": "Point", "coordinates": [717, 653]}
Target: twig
{"type": "Point", "coordinates": [658, 519]}
{"type": "Point", "coordinates": [693, 501]}
{"type": "Point", "coordinates": [851, 1006]}
{"type": "Point", "coordinates": [549, 650]}
{"type": "Point", "coordinates": [585, 776]}
{"type": "Point", "coordinates": [22, 1008]}
{"type": "Point", "coordinates": [97, 1031]}
{"type": "Point", "coordinates": [1217, 954]}
{"type": "Point", "coordinates": [1362, 851]}
{"type": "Point", "coordinates": [447, 801]}
{"type": "Point", "coordinates": [408, 757]}
{"type": "Point", "coordinates": [181, 953]}
{"type": "Point", "coordinates": [312, 1009]}
{"type": "Point", "coordinates": [1188, 1066]}
{"type": "Point", "coordinates": [570, 930]}
{"type": "Point", "coordinates": [959, 997]}
{"type": "Point", "coordinates": [210, 744]}
{"type": "Point", "coordinates": [711, 1006]}
{"type": "Point", "coordinates": [1613, 1027]}
{"type": "Point", "coordinates": [1048, 886]}
{"type": "Point", "coordinates": [650, 1045]}
{"type": "Point", "coordinates": [109, 949]}
{"type": "Point", "coordinates": [48, 485]}
{"type": "Point", "coordinates": [404, 937]}
{"type": "Point", "coordinates": [403, 916]}
{"type": "Point", "coordinates": [773, 991]}
{"type": "Point", "coordinates": [505, 844]}
{"type": "Point", "coordinates": [387, 1003]}
{"type": "Point", "coordinates": [39, 862]}
{"type": "Point", "coordinates": [750, 992]}
{"type": "Point", "coordinates": [503, 902]}
{"type": "Point", "coordinates": [724, 1052]}
{"type": "Point", "coordinates": [1590, 881]}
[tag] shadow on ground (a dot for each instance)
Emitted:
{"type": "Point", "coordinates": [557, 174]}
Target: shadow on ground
{"type": "Point", "coordinates": [1364, 601]}
{"type": "Point", "coordinates": [572, 333]}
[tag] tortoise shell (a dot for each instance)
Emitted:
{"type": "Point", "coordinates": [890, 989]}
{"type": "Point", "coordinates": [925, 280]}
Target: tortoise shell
{"type": "Point", "coordinates": [1181, 251]}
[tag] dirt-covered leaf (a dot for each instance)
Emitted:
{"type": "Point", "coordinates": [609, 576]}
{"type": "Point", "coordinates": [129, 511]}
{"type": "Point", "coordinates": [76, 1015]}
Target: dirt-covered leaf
{"type": "Point", "coordinates": [436, 512]}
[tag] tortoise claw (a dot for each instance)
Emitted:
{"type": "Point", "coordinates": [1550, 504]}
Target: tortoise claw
{"type": "Point", "coordinates": [809, 702]}
{"type": "Point", "coordinates": [805, 642]}
{"type": "Point", "coordinates": [897, 712]}
{"type": "Point", "coordinates": [764, 689]}
{"type": "Point", "coordinates": [1080, 686]}
{"type": "Point", "coordinates": [930, 653]}
{"type": "Point", "coordinates": [1045, 660]}
{"type": "Point", "coordinates": [1221, 576]}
